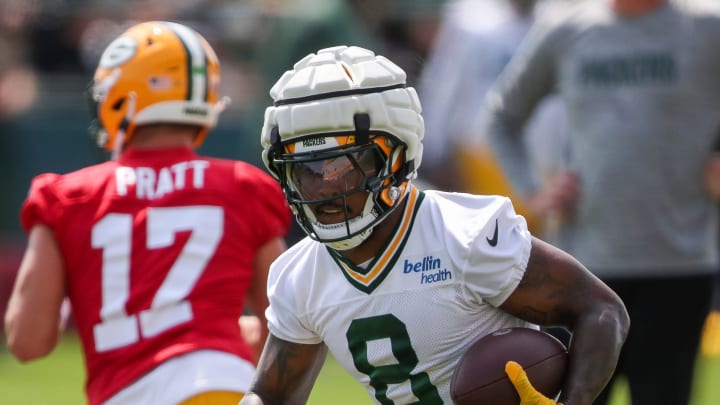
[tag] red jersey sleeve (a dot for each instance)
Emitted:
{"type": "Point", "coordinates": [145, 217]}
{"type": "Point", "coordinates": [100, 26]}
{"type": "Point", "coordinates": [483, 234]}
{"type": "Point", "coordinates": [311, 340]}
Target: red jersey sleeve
{"type": "Point", "coordinates": [271, 214]}
{"type": "Point", "coordinates": [42, 203]}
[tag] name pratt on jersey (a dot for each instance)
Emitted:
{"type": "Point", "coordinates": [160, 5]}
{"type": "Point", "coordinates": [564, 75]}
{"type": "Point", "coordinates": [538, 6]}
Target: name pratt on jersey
{"type": "Point", "coordinates": [430, 269]}
{"type": "Point", "coordinates": [152, 184]}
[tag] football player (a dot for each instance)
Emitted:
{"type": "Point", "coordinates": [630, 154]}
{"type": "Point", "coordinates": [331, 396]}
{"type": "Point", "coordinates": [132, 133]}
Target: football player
{"type": "Point", "coordinates": [159, 250]}
{"type": "Point", "coordinates": [397, 282]}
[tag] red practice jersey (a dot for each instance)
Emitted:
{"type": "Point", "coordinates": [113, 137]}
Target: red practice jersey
{"type": "Point", "coordinates": [158, 248]}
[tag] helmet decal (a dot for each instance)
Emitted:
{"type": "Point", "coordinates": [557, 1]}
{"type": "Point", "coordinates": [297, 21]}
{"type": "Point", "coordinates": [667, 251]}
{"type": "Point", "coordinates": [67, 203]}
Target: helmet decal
{"type": "Point", "coordinates": [118, 52]}
{"type": "Point", "coordinates": [197, 69]}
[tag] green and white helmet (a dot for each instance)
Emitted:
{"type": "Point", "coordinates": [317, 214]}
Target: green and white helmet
{"type": "Point", "coordinates": [344, 102]}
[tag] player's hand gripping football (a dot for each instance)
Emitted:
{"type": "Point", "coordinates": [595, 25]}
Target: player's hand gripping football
{"type": "Point", "coordinates": [528, 394]}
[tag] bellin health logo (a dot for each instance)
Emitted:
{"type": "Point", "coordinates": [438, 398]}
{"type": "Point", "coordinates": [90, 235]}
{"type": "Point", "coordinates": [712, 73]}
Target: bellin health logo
{"type": "Point", "coordinates": [430, 269]}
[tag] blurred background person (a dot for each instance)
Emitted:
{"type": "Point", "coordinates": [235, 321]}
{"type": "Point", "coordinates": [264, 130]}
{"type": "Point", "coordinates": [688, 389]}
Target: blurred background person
{"type": "Point", "coordinates": [475, 41]}
{"type": "Point", "coordinates": [639, 79]}
{"type": "Point", "coordinates": [159, 250]}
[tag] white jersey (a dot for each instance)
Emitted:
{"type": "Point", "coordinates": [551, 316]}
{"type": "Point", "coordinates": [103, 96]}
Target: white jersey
{"type": "Point", "coordinates": [399, 325]}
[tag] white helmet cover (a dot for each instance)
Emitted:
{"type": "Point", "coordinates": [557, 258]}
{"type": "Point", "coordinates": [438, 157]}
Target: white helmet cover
{"type": "Point", "coordinates": [334, 91]}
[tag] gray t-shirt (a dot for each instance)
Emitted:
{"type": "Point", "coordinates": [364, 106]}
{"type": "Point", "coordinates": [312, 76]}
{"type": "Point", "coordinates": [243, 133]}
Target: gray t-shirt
{"type": "Point", "coordinates": [643, 102]}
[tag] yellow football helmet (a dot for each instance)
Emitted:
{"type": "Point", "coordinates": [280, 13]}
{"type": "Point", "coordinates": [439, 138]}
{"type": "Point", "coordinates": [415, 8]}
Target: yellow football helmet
{"type": "Point", "coordinates": [155, 72]}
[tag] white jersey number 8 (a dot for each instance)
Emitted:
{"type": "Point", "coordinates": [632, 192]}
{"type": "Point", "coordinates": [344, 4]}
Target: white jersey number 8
{"type": "Point", "coordinates": [113, 234]}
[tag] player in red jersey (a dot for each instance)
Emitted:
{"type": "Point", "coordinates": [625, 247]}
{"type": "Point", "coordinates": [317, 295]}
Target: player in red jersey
{"type": "Point", "coordinates": [159, 250]}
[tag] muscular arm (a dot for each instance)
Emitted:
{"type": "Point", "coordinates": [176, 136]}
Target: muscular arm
{"type": "Point", "coordinates": [557, 290]}
{"type": "Point", "coordinates": [286, 373]}
{"type": "Point", "coordinates": [33, 321]}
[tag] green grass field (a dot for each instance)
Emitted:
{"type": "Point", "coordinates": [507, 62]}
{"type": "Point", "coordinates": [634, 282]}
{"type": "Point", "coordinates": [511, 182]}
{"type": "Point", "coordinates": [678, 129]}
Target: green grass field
{"type": "Point", "coordinates": [58, 380]}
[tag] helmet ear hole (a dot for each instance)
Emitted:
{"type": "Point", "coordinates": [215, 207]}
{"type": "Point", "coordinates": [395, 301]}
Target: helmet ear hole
{"type": "Point", "coordinates": [118, 104]}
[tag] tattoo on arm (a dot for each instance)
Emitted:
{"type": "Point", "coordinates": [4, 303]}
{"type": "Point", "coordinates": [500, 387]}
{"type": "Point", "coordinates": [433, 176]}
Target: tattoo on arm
{"type": "Point", "coordinates": [287, 371]}
{"type": "Point", "coordinates": [555, 289]}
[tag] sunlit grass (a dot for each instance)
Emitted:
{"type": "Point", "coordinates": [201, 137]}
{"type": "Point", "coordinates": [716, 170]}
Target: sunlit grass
{"type": "Point", "coordinates": [58, 380]}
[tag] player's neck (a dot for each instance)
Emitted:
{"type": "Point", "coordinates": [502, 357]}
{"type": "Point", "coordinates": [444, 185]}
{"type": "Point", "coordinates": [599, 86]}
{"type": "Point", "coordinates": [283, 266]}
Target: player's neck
{"type": "Point", "coordinates": [163, 136]}
{"type": "Point", "coordinates": [632, 8]}
{"type": "Point", "coordinates": [378, 239]}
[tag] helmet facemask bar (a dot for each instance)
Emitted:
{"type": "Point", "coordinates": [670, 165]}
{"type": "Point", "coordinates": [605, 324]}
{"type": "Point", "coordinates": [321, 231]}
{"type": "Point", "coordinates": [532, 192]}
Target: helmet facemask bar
{"type": "Point", "coordinates": [349, 171]}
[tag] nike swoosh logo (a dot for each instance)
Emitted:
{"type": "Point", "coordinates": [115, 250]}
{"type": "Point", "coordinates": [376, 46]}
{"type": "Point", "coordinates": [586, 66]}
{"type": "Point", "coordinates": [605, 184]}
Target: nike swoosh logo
{"type": "Point", "coordinates": [493, 241]}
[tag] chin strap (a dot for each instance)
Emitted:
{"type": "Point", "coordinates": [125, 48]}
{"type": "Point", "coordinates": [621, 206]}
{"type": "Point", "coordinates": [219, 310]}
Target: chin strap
{"type": "Point", "coordinates": [118, 145]}
{"type": "Point", "coordinates": [120, 138]}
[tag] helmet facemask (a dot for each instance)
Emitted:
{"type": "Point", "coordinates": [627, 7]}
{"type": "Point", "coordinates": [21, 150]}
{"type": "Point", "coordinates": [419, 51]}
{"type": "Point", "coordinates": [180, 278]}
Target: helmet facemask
{"type": "Point", "coordinates": [331, 174]}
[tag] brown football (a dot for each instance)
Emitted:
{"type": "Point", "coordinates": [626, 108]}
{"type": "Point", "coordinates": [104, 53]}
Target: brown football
{"type": "Point", "coordinates": [479, 377]}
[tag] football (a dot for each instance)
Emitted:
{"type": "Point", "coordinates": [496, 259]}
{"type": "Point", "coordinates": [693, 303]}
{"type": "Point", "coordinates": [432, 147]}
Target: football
{"type": "Point", "coordinates": [479, 377]}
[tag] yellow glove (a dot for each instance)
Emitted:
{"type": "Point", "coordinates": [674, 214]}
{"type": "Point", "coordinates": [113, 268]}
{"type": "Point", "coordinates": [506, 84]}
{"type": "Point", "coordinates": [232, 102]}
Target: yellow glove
{"type": "Point", "coordinates": [528, 394]}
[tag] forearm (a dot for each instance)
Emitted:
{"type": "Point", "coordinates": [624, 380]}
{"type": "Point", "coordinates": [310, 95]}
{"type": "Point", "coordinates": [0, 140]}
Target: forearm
{"type": "Point", "coordinates": [286, 373]}
{"type": "Point", "coordinates": [556, 289]}
{"type": "Point", "coordinates": [32, 336]}
{"type": "Point", "coordinates": [594, 352]}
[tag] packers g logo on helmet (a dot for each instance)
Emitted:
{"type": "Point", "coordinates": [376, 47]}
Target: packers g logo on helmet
{"type": "Point", "coordinates": [155, 72]}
